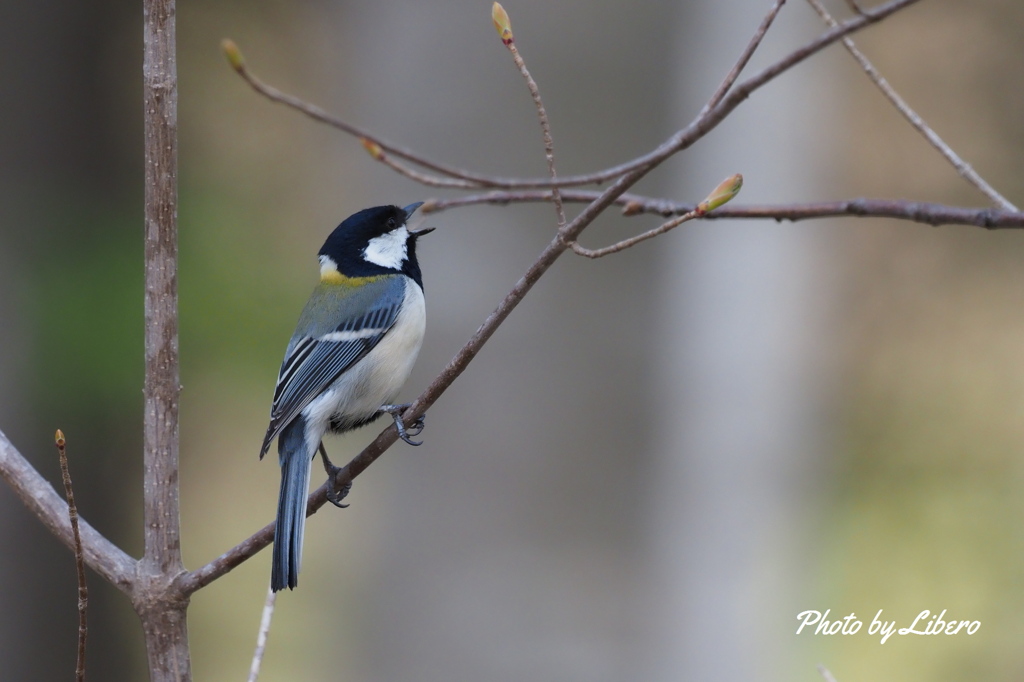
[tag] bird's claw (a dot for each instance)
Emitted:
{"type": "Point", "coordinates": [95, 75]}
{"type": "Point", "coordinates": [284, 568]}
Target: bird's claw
{"type": "Point", "coordinates": [334, 494]}
{"type": "Point", "coordinates": [405, 432]}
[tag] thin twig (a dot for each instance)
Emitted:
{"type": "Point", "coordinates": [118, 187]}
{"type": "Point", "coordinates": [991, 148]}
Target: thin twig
{"type": "Point", "coordinates": [963, 168]}
{"type": "Point", "coordinates": [83, 589]}
{"type": "Point", "coordinates": [825, 674]}
{"type": "Point", "coordinates": [632, 241]}
{"type": "Point", "coordinates": [855, 6]}
{"type": "Point", "coordinates": [322, 116]}
{"type": "Point", "coordinates": [744, 90]}
{"type": "Point", "coordinates": [748, 52]}
{"type": "Point", "coordinates": [722, 194]}
{"type": "Point", "coordinates": [413, 174]}
{"type": "Point", "coordinates": [634, 204]}
{"type": "Point", "coordinates": [261, 636]}
{"type": "Point", "coordinates": [501, 21]}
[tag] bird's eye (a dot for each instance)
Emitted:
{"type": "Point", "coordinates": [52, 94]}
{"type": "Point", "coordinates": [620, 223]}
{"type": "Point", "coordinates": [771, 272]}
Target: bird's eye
{"type": "Point", "coordinates": [391, 224]}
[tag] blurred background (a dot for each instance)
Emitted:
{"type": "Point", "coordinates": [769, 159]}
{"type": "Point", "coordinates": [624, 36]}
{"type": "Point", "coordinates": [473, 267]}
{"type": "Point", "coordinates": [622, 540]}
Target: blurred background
{"type": "Point", "coordinates": [658, 461]}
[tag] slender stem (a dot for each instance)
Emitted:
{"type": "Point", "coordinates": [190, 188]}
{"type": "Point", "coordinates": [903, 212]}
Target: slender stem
{"type": "Point", "coordinates": [423, 178]}
{"type": "Point", "coordinates": [747, 87]}
{"type": "Point", "coordinates": [261, 637]}
{"type": "Point", "coordinates": [83, 589]}
{"type": "Point", "coordinates": [634, 204]}
{"type": "Point", "coordinates": [633, 241]}
{"type": "Point", "coordinates": [748, 52]}
{"type": "Point", "coordinates": [963, 168]}
{"type": "Point", "coordinates": [545, 126]}
{"type": "Point", "coordinates": [318, 114]}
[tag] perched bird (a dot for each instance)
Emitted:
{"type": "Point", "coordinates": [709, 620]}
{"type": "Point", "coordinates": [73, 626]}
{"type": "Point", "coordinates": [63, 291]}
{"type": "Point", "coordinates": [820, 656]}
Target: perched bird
{"type": "Point", "coordinates": [352, 350]}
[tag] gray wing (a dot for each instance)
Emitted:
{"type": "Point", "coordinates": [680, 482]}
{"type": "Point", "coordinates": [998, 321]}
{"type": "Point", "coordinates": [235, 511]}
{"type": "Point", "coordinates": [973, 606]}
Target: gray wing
{"type": "Point", "coordinates": [334, 333]}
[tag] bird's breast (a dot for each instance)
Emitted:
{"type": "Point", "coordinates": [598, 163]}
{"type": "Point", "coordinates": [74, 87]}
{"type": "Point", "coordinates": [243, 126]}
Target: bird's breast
{"type": "Point", "coordinates": [355, 397]}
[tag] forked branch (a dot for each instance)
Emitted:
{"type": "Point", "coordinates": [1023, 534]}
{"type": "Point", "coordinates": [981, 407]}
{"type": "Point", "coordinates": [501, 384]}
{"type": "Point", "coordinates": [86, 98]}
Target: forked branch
{"type": "Point", "coordinates": [961, 166]}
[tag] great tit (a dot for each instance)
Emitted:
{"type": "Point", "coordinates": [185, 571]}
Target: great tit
{"type": "Point", "coordinates": [352, 350]}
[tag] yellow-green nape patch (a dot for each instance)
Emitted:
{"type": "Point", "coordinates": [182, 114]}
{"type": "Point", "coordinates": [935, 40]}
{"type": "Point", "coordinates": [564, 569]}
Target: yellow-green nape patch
{"type": "Point", "coordinates": [330, 275]}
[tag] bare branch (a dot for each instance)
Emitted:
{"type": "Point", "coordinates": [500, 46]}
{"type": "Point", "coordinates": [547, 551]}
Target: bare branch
{"type": "Point", "coordinates": [318, 114]}
{"type": "Point", "coordinates": [501, 21]}
{"type": "Point", "coordinates": [634, 204]}
{"type": "Point", "coordinates": [632, 241]}
{"type": "Point", "coordinates": [83, 589]}
{"type": "Point", "coordinates": [677, 142]}
{"type": "Point", "coordinates": [962, 167]}
{"type": "Point", "coordinates": [744, 90]}
{"type": "Point", "coordinates": [725, 192]}
{"type": "Point", "coordinates": [41, 499]}
{"type": "Point", "coordinates": [378, 154]}
{"type": "Point", "coordinates": [748, 52]}
{"type": "Point", "coordinates": [708, 121]}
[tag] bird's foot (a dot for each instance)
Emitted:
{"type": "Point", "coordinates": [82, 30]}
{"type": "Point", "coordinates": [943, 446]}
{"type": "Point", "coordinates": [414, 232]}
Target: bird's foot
{"type": "Point", "coordinates": [334, 494]}
{"type": "Point", "coordinates": [404, 432]}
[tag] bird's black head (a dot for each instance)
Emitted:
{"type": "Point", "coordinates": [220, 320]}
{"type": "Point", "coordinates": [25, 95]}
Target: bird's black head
{"type": "Point", "coordinates": [374, 241]}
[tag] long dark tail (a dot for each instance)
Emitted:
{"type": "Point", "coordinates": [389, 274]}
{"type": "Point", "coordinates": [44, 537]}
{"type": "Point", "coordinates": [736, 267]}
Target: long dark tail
{"type": "Point", "coordinates": [291, 505]}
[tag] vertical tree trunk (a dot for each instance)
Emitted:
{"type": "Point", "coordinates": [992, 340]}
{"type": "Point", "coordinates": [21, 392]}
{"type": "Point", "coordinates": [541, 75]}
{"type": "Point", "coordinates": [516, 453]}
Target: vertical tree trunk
{"type": "Point", "coordinates": [163, 620]}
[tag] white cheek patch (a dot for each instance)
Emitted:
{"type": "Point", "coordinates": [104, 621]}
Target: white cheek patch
{"type": "Point", "coordinates": [388, 250]}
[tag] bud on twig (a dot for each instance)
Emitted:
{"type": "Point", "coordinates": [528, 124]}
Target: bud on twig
{"type": "Point", "coordinates": [632, 208]}
{"type": "Point", "coordinates": [723, 194]}
{"type": "Point", "coordinates": [372, 148]}
{"type": "Point", "coordinates": [502, 23]}
{"type": "Point", "coordinates": [234, 55]}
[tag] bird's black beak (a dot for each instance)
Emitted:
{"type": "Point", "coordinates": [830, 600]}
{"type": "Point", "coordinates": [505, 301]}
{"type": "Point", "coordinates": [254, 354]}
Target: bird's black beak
{"type": "Point", "coordinates": [409, 210]}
